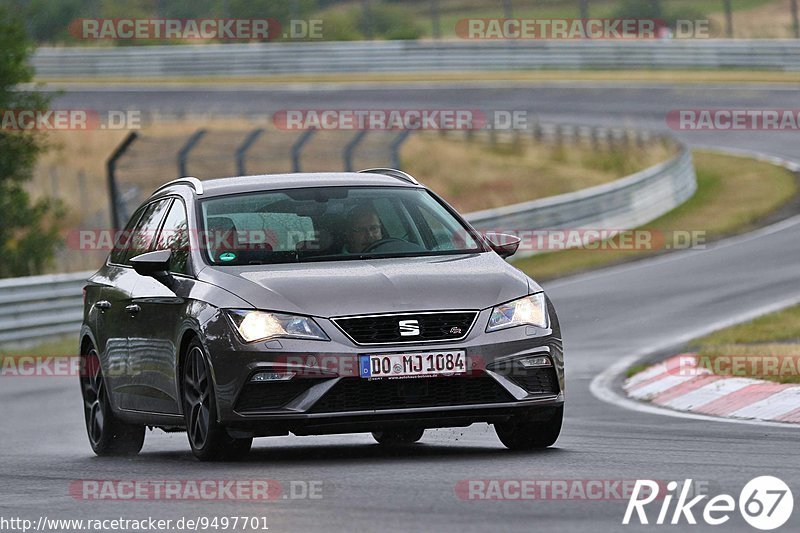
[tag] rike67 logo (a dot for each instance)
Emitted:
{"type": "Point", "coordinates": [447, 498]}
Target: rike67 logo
{"type": "Point", "coordinates": [765, 503]}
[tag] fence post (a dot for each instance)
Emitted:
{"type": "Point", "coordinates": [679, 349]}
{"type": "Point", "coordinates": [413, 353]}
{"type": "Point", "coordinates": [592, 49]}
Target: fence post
{"type": "Point", "coordinates": [82, 190]}
{"type": "Point", "coordinates": [537, 132]}
{"type": "Point", "coordinates": [111, 169]}
{"type": "Point", "coordinates": [183, 153]}
{"type": "Point", "coordinates": [436, 26]}
{"type": "Point", "coordinates": [350, 148]}
{"type": "Point", "coordinates": [54, 182]}
{"type": "Point", "coordinates": [396, 144]}
{"type": "Point", "coordinates": [297, 147]}
{"type": "Point", "coordinates": [241, 151]}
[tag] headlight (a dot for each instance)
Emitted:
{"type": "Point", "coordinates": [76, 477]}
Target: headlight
{"type": "Point", "coordinates": [530, 310]}
{"type": "Point", "coordinates": [260, 326]}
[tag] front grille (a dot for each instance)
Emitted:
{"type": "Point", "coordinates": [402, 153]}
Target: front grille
{"type": "Point", "coordinates": [537, 381]}
{"type": "Point", "coordinates": [357, 394]}
{"type": "Point", "coordinates": [271, 395]}
{"type": "Point", "coordinates": [386, 329]}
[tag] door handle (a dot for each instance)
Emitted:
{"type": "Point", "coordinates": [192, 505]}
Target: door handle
{"type": "Point", "coordinates": [103, 305]}
{"type": "Point", "coordinates": [133, 309]}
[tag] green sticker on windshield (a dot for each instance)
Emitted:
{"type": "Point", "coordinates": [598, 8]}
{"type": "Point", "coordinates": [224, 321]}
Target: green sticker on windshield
{"type": "Point", "coordinates": [227, 256]}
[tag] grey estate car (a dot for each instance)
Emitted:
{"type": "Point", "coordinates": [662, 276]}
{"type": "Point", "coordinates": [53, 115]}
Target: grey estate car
{"type": "Point", "coordinates": [313, 304]}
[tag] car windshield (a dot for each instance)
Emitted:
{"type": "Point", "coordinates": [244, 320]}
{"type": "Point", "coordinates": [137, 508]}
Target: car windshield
{"type": "Point", "coordinates": [330, 224]}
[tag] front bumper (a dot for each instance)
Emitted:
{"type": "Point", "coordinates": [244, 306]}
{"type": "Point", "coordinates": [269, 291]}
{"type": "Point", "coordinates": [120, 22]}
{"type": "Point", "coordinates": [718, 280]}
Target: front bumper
{"type": "Point", "coordinates": [327, 396]}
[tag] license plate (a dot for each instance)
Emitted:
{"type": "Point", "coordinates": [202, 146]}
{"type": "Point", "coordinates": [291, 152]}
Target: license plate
{"type": "Point", "coordinates": [407, 365]}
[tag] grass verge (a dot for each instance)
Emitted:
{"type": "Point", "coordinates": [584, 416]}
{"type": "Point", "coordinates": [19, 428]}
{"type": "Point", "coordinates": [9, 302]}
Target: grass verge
{"type": "Point", "coordinates": [765, 348]}
{"type": "Point", "coordinates": [740, 192]}
{"type": "Point", "coordinates": [64, 346]}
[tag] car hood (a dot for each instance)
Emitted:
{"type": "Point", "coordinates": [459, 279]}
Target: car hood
{"type": "Point", "coordinates": [338, 288]}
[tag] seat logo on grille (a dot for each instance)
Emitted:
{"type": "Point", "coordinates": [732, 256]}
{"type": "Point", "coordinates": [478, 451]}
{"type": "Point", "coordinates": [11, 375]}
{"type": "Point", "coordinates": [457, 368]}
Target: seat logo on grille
{"type": "Point", "coordinates": [409, 328]}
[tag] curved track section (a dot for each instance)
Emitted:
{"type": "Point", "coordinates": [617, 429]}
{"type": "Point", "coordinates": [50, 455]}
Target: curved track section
{"type": "Point", "coordinates": [607, 316]}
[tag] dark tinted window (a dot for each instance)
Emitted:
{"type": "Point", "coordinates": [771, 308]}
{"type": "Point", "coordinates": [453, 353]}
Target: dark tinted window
{"type": "Point", "coordinates": [174, 236]}
{"type": "Point", "coordinates": [143, 236]}
{"type": "Point", "coordinates": [123, 239]}
{"type": "Point", "coordinates": [329, 224]}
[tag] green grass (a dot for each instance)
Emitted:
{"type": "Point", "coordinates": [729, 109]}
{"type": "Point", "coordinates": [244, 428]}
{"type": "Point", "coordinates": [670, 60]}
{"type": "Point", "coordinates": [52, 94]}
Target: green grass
{"type": "Point", "coordinates": [738, 191]}
{"type": "Point", "coordinates": [771, 339]}
{"type": "Point", "coordinates": [635, 369]}
{"type": "Point", "coordinates": [56, 347]}
{"type": "Point", "coordinates": [783, 326]}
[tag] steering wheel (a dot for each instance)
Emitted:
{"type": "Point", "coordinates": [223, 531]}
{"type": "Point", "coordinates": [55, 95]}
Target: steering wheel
{"type": "Point", "coordinates": [381, 242]}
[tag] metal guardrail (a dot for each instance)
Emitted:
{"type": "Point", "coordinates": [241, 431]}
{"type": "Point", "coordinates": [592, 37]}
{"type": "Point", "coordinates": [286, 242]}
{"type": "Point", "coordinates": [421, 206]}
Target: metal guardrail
{"type": "Point", "coordinates": [44, 306]}
{"type": "Point", "coordinates": [38, 307]}
{"type": "Point", "coordinates": [626, 203]}
{"type": "Point", "coordinates": [215, 60]}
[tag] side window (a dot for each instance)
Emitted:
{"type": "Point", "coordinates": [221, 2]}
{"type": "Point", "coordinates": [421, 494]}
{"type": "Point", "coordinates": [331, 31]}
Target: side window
{"type": "Point", "coordinates": [174, 236]}
{"type": "Point", "coordinates": [123, 239]}
{"type": "Point", "coordinates": [144, 233]}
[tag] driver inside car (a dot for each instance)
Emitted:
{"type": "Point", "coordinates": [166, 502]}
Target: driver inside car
{"type": "Point", "coordinates": [363, 229]}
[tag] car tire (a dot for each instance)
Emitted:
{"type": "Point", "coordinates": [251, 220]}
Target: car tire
{"type": "Point", "coordinates": [398, 437]}
{"type": "Point", "coordinates": [208, 438]}
{"type": "Point", "coordinates": [527, 434]}
{"type": "Point", "coordinates": [108, 435]}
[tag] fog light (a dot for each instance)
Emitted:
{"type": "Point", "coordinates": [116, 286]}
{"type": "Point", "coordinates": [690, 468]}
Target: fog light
{"type": "Point", "coordinates": [535, 362]}
{"type": "Point", "coordinates": [272, 376]}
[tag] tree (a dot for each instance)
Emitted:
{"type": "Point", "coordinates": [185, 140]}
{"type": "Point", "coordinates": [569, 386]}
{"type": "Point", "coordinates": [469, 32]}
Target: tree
{"type": "Point", "coordinates": [28, 232]}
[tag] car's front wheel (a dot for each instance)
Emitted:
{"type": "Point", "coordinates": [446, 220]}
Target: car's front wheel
{"type": "Point", "coordinates": [398, 437]}
{"type": "Point", "coordinates": [530, 434]}
{"type": "Point", "coordinates": [108, 435]}
{"type": "Point", "coordinates": [208, 438]}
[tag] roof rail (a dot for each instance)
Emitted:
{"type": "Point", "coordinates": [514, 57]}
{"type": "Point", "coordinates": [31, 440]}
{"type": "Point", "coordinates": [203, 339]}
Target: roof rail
{"type": "Point", "coordinates": [393, 172]}
{"type": "Point", "coordinates": [187, 180]}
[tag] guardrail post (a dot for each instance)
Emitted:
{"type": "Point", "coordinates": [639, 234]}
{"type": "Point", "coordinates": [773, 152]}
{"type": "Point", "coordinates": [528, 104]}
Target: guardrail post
{"type": "Point", "coordinates": [350, 148]}
{"type": "Point", "coordinates": [183, 153]}
{"type": "Point", "coordinates": [241, 151]}
{"type": "Point", "coordinates": [111, 172]}
{"type": "Point", "coordinates": [297, 147]}
{"type": "Point", "coordinates": [396, 144]}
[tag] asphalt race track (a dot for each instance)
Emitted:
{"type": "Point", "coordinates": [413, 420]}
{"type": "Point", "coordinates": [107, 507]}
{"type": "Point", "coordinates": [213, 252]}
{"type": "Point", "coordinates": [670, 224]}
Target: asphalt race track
{"type": "Point", "coordinates": [606, 317]}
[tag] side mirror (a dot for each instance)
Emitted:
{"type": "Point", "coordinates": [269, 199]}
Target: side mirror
{"type": "Point", "coordinates": [504, 244]}
{"type": "Point", "coordinates": [154, 264]}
